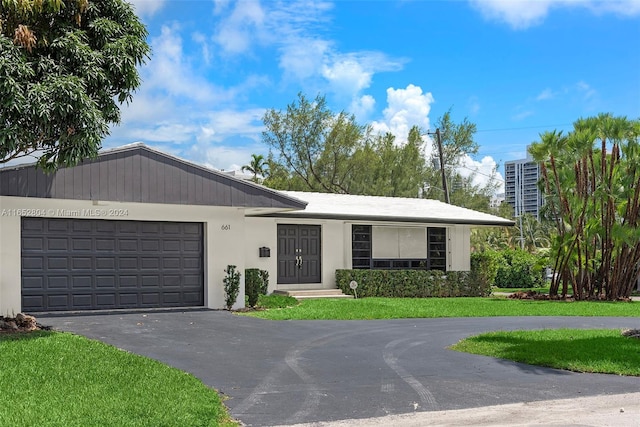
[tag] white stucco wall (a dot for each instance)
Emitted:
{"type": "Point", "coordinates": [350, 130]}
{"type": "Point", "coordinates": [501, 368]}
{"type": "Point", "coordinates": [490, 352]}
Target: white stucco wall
{"type": "Point", "coordinates": [459, 248]}
{"type": "Point", "coordinates": [263, 232]}
{"type": "Point", "coordinates": [336, 246]}
{"type": "Point", "coordinates": [224, 234]}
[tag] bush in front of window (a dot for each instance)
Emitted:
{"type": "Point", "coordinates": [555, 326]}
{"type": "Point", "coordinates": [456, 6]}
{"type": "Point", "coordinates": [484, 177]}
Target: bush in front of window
{"type": "Point", "coordinates": [410, 283]}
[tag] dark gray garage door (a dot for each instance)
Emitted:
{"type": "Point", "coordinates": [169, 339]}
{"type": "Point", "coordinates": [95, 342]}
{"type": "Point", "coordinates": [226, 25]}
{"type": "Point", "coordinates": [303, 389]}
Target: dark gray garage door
{"type": "Point", "coordinates": [79, 264]}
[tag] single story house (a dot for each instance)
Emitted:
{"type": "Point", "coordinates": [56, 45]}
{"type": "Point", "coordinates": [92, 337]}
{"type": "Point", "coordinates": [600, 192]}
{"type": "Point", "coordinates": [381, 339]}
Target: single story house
{"type": "Point", "coordinates": [138, 228]}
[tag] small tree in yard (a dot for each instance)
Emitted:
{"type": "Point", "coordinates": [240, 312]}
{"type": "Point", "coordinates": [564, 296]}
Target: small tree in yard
{"type": "Point", "coordinates": [591, 179]}
{"type": "Point", "coordinates": [252, 284]}
{"type": "Point", "coordinates": [264, 286]}
{"type": "Point", "coordinates": [256, 283]}
{"type": "Point", "coordinates": [231, 286]}
{"type": "Point", "coordinates": [64, 69]}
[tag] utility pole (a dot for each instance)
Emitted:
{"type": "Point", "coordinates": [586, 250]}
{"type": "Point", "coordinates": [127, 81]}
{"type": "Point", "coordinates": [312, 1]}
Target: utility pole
{"type": "Point", "coordinates": [444, 175]}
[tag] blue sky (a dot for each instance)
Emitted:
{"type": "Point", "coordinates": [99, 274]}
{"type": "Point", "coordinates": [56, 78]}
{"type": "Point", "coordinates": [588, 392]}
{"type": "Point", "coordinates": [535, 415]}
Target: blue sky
{"type": "Point", "coordinates": [515, 68]}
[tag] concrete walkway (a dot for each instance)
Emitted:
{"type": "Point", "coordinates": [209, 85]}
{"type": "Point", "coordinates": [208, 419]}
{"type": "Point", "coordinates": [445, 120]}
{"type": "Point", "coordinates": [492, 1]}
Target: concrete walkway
{"type": "Point", "coordinates": [620, 410]}
{"type": "Point", "coordinates": [324, 372]}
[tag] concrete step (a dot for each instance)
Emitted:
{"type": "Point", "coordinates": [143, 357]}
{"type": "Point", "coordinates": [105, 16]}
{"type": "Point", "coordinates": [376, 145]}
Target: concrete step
{"type": "Point", "coordinates": [313, 293]}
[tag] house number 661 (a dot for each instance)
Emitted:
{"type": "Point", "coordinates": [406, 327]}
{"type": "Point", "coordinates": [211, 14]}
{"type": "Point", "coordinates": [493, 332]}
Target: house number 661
{"type": "Point", "coordinates": [225, 227]}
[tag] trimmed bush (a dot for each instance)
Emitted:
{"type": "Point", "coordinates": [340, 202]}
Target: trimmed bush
{"type": "Point", "coordinates": [231, 286]}
{"type": "Point", "coordinates": [252, 285]}
{"type": "Point", "coordinates": [256, 283]}
{"type": "Point", "coordinates": [264, 287]}
{"type": "Point", "coordinates": [410, 283]}
{"type": "Point", "coordinates": [484, 267]}
{"type": "Point", "coordinates": [519, 269]}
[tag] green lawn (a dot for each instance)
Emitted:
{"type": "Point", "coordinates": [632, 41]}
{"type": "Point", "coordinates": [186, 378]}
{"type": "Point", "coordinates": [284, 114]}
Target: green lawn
{"type": "Point", "coordinates": [60, 379]}
{"type": "Point", "coordinates": [603, 351]}
{"type": "Point", "coordinates": [542, 290]}
{"type": "Point", "coordinates": [399, 308]}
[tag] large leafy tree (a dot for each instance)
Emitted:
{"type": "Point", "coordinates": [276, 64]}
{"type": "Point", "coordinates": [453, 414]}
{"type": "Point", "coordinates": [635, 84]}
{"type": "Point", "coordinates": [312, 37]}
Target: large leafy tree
{"type": "Point", "coordinates": [387, 168]}
{"type": "Point", "coordinates": [314, 149]}
{"type": "Point", "coordinates": [591, 178]}
{"type": "Point", "coordinates": [64, 69]}
{"type": "Point", "coordinates": [458, 143]}
{"type": "Point", "coordinates": [312, 144]}
{"type": "Point", "coordinates": [457, 139]}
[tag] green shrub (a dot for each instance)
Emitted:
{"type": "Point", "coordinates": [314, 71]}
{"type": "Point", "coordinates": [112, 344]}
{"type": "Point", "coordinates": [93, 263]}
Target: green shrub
{"type": "Point", "coordinates": [410, 283]}
{"type": "Point", "coordinates": [252, 285]}
{"type": "Point", "coordinates": [256, 283]}
{"type": "Point", "coordinates": [231, 286]}
{"type": "Point", "coordinates": [264, 287]}
{"type": "Point", "coordinates": [484, 267]}
{"type": "Point", "coordinates": [519, 269]}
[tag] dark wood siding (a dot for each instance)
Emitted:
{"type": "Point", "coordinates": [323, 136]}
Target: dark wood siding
{"type": "Point", "coordinates": [139, 174]}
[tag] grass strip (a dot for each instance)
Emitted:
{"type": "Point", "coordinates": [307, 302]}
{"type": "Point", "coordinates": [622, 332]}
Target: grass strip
{"type": "Point", "coordinates": [543, 290]}
{"type": "Point", "coordinates": [580, 350]}
{"type": "Point", "coordinates": [60, 379]}
{"type": "Point", "coordinates": [400, 308]}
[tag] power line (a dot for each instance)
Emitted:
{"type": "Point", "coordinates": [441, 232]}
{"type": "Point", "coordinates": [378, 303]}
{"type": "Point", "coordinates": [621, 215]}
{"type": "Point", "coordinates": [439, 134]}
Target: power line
{"type": "Point", "coordinates": [480, 173]}
{"type": "Point", "coordinates": [524, 127]}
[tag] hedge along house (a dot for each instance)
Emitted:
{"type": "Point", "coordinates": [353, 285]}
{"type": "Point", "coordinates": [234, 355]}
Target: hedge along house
{"type": "Point", "coordinates": [340, 231]}
{"type": "Point", "coordinates": [137, 228]}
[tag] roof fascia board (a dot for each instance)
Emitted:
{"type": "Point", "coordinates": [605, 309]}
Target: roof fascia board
{"type": "Point", "coordinates": [303, 215]}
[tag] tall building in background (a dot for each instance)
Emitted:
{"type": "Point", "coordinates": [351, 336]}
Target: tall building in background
{"type": "Point", "coordinates": [521, 186]}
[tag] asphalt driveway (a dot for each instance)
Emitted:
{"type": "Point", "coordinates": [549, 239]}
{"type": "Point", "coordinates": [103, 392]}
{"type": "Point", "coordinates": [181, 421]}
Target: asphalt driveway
{"type": "Point", "coordinates": [288, 372]}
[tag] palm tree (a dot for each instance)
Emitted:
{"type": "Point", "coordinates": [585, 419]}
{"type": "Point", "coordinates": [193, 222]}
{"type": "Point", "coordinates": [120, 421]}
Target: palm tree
{"type": "Point", "coordinates": [257, 166]}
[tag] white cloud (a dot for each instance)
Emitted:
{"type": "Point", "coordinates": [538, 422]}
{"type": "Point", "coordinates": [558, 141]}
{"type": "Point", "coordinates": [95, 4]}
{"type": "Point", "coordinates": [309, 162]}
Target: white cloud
{"type": "Point", "coordinates": [351, 73]}
{"type": "Point", "coordinates": [170, 70]}
{"type": "Point", "coordinates": [246, 23]}
{"type": "Point", "coordinates": [361, 107]}
{"type": "Point", "coordinates": [146, 8]}
{"type": "Point", "coordinates": [222, 157]}
{"type": "Point", "coordinates": [224, 124]}
{"type": "Point", "coordinates": [176, 133]}
{"type": "Point", "coordinates": [545, 95]}
{"type": "Point", "coordinates": [521, 115]}
{"type": "Point", "coordinates": [178, 104]}
{"type": "Point", "coordinates": [201, 39]}
{"type": "Point", "coordinates": [518, 14]}
{"type": "Point", "coordinates": [347, 75]}
{"type": "Point", "coordinates": [406, 108]}
{"type": "Point", "coordinates": [619, 7]}
{"type": "Point", "coordinates": [220, 5]}
{"type": "Point", "coordinates": [236, 33]}
{"type": "Point", "coordinates": [586, 90]}
{"type": "Point", "coordinates": [473, 104]}
{"type": "Point", "coordinates": [522, 14]}
{"type": "Point", "coordinates": [174, 103]}
{"type": "Point", "coordinates": [301, 60]}
{"type": "Point", "coordinates": [482, 172]}
{"type": "Point", "coordinates": [295, 29]}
